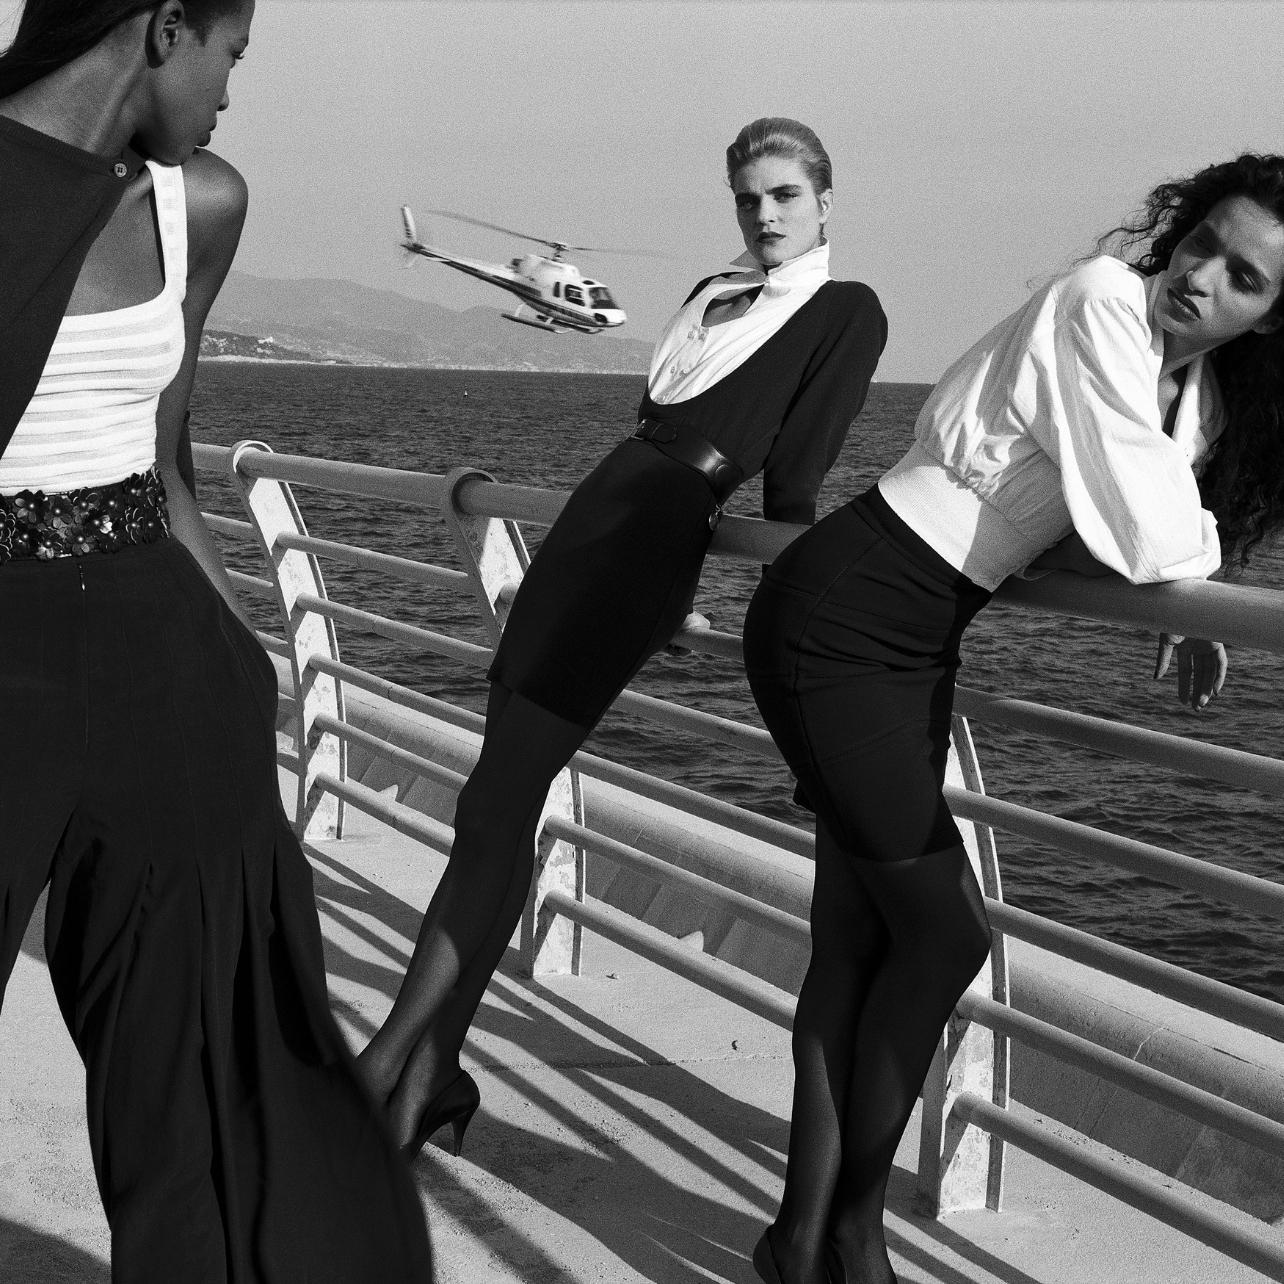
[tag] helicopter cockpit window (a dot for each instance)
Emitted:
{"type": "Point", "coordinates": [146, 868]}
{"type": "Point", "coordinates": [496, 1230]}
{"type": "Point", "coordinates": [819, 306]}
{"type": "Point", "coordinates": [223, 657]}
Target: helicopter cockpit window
{"type": "Point", "coordinates": [600, 297]}
{"type": "Point", "coordinates": [574, 295]}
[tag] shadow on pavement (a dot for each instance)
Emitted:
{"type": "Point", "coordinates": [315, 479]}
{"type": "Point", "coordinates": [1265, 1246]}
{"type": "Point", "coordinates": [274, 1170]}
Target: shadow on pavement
{"type": "Point", "coordinates": [30, 1254]}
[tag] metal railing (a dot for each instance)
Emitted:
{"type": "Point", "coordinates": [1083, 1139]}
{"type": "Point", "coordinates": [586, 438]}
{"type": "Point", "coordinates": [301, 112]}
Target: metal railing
{"type": "Point", "coordinates": [967, 1115]}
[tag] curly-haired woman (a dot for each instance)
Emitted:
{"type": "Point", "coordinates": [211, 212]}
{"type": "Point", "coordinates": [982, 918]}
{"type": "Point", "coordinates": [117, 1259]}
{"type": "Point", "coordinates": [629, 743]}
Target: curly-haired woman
{"type": "Point", "coordinates": [1092, 430]}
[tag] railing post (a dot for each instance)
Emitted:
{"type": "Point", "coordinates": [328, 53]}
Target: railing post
{"type": "Point", "coordinates": [495, 556]}
{"type": "Point", "coordinates": [959, 1165]}
{"type": "Point", "coordinates": [273, 512]}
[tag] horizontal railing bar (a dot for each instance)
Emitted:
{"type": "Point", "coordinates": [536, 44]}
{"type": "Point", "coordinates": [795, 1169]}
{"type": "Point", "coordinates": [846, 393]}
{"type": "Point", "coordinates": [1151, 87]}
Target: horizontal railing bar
{"type": "Point", "coordinates": [709, 726]}
{"type": "Point", "coordinates": [405, 820]}
{"type": "Point", "coordinates": [421, 766]}
{"type": "Point", "coordinates": [1259, 895]}
{"type": "Point", "coordinates": [273, 644]}
{"type": "Point", "coordinates": [468, 653]}
{"type": "Point", "coordinates": [1215, 998]}
{"type": "Point", "coordinates": [236, 528]}
{"type": "Point", "coordinates": [664, 712]}
{"type": "Point", "coordinates": [778, 921]}
{"type": "Point", "coordinates": [401, 568]}
{"type": "Point", "coordinates": [1088, 1162]}
{"type": "Point", "coordinates": [758, 997]}
{"type": "Point", "coordinates": [1235, 614]}
{"type": "Point", "coordinates": [426, 490]}
{"type": "Point", "coordinates": [709, 641]}
{"type": "Point", "coordinates": [740, 819]}
{"type": "Point", "coordinates": [253, 585]}
{"type": "Point", "coordinates": [1247, 891]}
{"type": "Point", "coordinates": [758, 909]}
{"type": "Point", "coordinates": [1203, 1107]}
{"type": "Point", "coordinates": [1232, 613]}
{"type": "Point", "coordinates": [694, 803]}
{"type": "Point", "coordinates": [396, 693]}
{"type": "Point", "coordinates": [1159, 748]}
{"type": "Point", "coordinates": [1241, 616]}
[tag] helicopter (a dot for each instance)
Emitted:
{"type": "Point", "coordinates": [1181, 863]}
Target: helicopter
{"type": "Point", "coordinates": [553, 294]}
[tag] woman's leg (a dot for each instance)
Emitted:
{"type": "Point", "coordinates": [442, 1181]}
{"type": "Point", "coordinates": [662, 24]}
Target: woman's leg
{"type": "Point", "coordinates": [847, 942]}
{"type": "Point", "coordinates": [937, 938]}
{"type": "Point", "coordinates": [474, 909]}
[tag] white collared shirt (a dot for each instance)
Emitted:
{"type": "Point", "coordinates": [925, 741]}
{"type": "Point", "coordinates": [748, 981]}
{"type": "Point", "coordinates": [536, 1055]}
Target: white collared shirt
{"type": "Point", "coordinates": [691, 357]}
{"type": "Point", "coordinates": [1051, 423]}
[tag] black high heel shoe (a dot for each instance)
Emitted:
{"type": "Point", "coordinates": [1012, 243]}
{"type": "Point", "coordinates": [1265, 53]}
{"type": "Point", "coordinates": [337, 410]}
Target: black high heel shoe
{"type": "Point", "coordinates": [455, 1105]}
{"type": "Point", "coordinates": [764, 1261]}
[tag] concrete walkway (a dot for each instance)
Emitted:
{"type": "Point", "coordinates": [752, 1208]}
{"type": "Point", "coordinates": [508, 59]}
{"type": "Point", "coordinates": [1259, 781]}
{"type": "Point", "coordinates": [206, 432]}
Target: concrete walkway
{"type": "Point", "coordinates": [633, 1128]}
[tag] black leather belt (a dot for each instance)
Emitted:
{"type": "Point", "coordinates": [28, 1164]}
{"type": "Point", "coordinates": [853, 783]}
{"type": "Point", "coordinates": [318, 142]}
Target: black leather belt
{"type": "Point", "coordinates": [688, 447]}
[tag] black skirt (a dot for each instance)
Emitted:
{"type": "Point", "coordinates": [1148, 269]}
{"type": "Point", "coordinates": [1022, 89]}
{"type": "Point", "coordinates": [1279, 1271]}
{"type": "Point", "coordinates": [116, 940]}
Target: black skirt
{"type": "Point", "coordinates": [613, 580]}
{"type": "Point", "coordinates": [852, 645]}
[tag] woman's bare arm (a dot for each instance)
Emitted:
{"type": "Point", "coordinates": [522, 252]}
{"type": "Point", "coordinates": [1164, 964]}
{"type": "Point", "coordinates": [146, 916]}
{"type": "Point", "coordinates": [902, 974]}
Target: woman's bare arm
{"type": "Point", "coordinates": [217, 199]}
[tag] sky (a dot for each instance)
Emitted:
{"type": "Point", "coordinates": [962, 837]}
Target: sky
{"type": "Point", "coordinates": [977, 146]}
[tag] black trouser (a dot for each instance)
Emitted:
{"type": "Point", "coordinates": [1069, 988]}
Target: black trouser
{"type": "Point", "coordinates": [230, 1137]}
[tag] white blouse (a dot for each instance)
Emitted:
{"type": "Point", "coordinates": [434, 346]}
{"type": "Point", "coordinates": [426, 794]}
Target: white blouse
{"type": "Point", "coordinates": [691, 356]}
{"type": "Point", "coordinates": [1051, 423]}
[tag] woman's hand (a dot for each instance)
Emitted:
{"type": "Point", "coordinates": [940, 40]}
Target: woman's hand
{"type": "Point", "coordinates": [1201, 667]}
{"type": "Point", "coordinates": [1071, 554]}
{"type": "Point", "coordinates": [693, 621]}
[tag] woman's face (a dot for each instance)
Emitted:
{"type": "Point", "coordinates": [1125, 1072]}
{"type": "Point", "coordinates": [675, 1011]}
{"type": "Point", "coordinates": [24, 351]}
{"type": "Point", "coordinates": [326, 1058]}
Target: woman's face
{"type": "Point", "coordinates": [779, 212]}
{"type": "Point", "coordinates": [191, 84]}
{"type": "Point", "coordinates": [1224, 279]}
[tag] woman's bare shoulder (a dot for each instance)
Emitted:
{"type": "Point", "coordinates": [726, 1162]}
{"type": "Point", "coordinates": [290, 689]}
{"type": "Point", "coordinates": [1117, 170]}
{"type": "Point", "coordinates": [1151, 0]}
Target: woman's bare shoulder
{"type": "Point", "coordinates": [217, 199]}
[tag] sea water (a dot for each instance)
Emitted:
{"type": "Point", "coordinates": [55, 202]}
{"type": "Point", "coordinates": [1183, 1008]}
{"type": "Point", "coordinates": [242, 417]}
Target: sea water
{"type": "Point", "coordinates": [549, 430]}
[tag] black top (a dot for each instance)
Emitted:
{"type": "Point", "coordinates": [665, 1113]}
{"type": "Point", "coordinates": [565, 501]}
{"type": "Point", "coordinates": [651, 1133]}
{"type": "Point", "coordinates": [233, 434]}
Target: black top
{"type": "Point", "coordinates": [764, 417]}
{"type": "Point", "coordinates": [54, 200]}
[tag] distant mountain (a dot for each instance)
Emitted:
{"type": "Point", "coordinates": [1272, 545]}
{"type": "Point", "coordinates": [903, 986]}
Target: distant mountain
{"type": "Point", "coordinates": [343, 321]}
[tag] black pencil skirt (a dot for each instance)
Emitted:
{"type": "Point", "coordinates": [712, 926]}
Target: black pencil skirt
{"type": "Point", "coordinates": [609, 586]}
{"type": "Point", "coordinates": [852, 646]}
{"type": "Point", "coordinates": [230, 1136]}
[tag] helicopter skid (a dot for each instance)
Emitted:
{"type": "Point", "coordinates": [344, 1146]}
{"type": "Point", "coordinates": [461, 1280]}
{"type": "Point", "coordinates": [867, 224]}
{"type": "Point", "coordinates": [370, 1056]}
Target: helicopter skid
{"type": "Point", "coordinates": [540, 323]}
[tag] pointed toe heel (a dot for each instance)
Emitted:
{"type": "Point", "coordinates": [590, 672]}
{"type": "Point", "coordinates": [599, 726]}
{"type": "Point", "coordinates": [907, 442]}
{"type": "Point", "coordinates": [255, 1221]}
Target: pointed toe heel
{"type": "Point", "coordinates": [764, 1261]}
{"type": "Point", "coordinates": [455, 1104]}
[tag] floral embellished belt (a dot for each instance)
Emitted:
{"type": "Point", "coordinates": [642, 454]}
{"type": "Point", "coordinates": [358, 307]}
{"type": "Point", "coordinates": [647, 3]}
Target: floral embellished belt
{"type": "Point", "coordinates": [75, 523]}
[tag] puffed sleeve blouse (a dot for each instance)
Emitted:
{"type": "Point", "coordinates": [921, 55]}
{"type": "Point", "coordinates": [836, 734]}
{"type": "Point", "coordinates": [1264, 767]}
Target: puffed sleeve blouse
{"type": "Point", "coordinates": [1050, 424]}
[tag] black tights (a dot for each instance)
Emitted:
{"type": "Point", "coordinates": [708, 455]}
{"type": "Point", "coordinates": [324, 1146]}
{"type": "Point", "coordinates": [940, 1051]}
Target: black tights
{"type": "Point", "coordinates": [894, 945]}
{"type": "Point", "coordinates": [474, 909]}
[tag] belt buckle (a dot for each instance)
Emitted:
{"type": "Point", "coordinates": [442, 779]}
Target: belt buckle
{"type": "Point", "coordinates": [657, 430]}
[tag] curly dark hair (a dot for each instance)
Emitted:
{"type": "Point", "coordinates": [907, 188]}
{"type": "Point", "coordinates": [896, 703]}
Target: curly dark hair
{"type": "Point", "coordinates": [1242, 480]}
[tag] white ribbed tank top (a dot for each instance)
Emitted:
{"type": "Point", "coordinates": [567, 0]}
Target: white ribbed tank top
{"type": "Point", "coordinates": [92, 419]}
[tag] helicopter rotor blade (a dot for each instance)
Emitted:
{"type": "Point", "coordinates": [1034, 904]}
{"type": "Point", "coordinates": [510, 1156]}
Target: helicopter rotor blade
{"type": "Point", "coordinates": [508, 231]}
{"type": "Point", "coordinates": [559, 247]}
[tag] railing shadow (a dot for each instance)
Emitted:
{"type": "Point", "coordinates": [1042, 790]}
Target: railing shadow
{"type": "Point", "coordinates": [637, 1208]}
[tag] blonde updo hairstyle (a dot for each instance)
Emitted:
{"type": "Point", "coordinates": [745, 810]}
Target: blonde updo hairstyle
{"type": "Point", "coordinates": [780, 136]}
